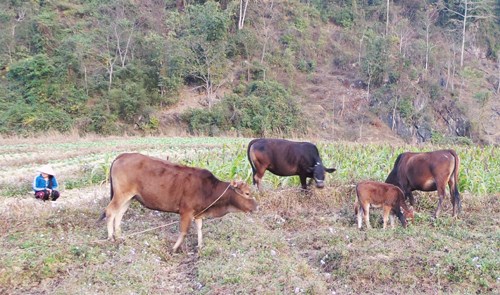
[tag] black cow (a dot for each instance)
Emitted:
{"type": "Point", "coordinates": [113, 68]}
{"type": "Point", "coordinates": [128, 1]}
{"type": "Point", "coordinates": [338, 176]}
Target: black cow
{"type": "Point", "coordinates": [286, 158]}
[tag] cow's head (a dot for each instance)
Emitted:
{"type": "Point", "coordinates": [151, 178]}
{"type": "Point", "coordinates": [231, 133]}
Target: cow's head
{"type": "Point", "coordinates": [405, 215]}
{"type": "Point", "coordinates": [408, 213]}
{"type": "Point", "coordinates": [393, 177]}
{"type": "Point", "coordinates": [242, 199]}
{"type": "Point", "coordinates": [318, 173]}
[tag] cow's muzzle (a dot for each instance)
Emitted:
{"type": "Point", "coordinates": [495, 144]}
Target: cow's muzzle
{"type": "Point", "coordinates": [320, 183]}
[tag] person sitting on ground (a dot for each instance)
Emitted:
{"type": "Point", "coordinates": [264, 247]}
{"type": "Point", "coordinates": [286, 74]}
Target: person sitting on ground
{"type": "Point", "coordinates": [45, 184]}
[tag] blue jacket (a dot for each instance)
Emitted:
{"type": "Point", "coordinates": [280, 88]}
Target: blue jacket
{"type": "Point", "coordinates": [39, 183]}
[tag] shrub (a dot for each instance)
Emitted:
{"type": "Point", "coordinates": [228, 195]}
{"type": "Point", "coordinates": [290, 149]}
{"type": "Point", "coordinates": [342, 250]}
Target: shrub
{"type": "Point", "coordinates": [374, 64]}
{"type": "Point", "coordinates": [482, 97]}
{"type": "Point", "coordinates": [405, 107]}
{"type": "Point", "coordinates": [102, 122]}
{"type": "Point", "coordinates": [30, 77]}
{"type": "Point", "coordinates": [440, 139]}
{"type": "Point", "coordinates": [344, 18]}
{"type": "Point", "coordinates": [267, 108]}
{"type": "Point", "coordinates": [204, 121]}
{"type": "Point", "coordinates": [307, 66]}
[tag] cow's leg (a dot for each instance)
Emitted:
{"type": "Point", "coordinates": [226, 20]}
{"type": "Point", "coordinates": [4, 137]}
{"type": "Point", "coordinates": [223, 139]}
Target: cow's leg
{"type": "Point", "coordinates": [258, 181]}
{"type": "Point", "coordinates": [366, 214]}
{"type": "Point", "coordinates": [110, 218]}
{"type": "Point", "coordinates": [257, 177]}
{"type": "Point", "coordinates": [409, 195]}
{"type": "Point", "coordinates": [441, 188]}
{"type": "Point", "coordinates": [199, 223]}
{"type": "Point", "coordinates": [111, 211]}
{"type": "Point", "coordinates": [385, 215]}
{"type": "Point", "coordinates": [118, 218]}
{"type": "Point", "coordinates": [303, 181]}
{"type": "Point", "coordinates": [360, 217]}
{"type": "Point", "coordinates": [185, 223]}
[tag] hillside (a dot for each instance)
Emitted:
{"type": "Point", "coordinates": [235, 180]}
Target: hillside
{"type": "Point", "coordinates": [351, 70]}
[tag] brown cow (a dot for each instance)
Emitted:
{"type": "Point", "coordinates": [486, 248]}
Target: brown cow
{"type": "Point", "coordinates": [286, 158]}
{"type": "Point", "coordinates": [427, 172]}
{"type": "Point", "coordinates": [160, 185]}
{"type": "Point", "coordinates": [379, 194]}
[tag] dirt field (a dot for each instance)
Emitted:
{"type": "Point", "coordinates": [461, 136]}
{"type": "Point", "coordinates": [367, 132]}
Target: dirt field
{"type": "Point", "coordinates": [296, 244]}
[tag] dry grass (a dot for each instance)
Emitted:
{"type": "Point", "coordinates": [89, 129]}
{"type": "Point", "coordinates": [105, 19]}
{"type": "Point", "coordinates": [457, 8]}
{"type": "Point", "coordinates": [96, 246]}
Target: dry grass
{"type": "Point", "coordinates": [298, 243]}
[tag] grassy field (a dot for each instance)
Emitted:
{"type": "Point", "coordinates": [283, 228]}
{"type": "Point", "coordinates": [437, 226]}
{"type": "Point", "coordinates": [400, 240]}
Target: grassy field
{"type": "Point", "coordinates": [296, 244]}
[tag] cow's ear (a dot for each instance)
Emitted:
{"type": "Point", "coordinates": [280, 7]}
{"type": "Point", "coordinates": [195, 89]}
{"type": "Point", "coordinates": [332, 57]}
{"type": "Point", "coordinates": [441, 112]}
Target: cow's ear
{"type": "Point", "coordinates": [330, 170]}
{"type": "Point", "coordinates": [233, 183]}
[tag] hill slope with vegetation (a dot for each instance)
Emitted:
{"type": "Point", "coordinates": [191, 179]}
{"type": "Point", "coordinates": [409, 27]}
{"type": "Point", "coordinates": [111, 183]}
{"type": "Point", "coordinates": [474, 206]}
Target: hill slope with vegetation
{"type": "Point", "coordinates": [416, 70]}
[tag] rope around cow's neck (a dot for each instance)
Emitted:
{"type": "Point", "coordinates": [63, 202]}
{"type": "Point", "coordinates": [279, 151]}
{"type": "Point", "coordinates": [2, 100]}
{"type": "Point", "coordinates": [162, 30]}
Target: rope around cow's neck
{"type": "Point", "coordinates": [228, 186]}
{"type": "Point", "coordinates": [164, 225]}
{"type": "Point", "coordinates": [171, 223]}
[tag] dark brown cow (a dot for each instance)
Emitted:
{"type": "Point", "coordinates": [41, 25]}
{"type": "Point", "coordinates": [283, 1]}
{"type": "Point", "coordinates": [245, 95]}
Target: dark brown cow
{"type": "Point", "coordinates": [428, 172]}
{"type": "Point", "coordinates": [160, 185]}
{"type": "Point", "coordinates": [286, 158]}
{"type": "Point", "coordinates": [379, 194]}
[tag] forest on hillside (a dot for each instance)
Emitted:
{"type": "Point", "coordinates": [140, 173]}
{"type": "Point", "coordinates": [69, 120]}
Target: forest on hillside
{"type": "Point", "coordinates": [112, 66]}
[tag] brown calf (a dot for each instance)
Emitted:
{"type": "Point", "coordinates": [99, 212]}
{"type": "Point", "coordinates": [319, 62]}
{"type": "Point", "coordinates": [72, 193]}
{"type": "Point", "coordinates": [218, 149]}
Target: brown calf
{"type": "Point", "coordinates": [160, 185]}
{"type": "Point", "coordinates": [379, 194]}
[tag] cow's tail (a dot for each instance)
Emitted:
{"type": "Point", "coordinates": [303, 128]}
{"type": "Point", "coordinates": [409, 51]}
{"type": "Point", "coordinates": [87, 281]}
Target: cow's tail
{"type": "Point", "coordinates": [456, 194]}
{"type": "Point", "coordinates": [111, 193]}
{"type": "Point", "coordinates": [254, 170]}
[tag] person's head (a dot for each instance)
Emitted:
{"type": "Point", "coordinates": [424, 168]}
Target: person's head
{"type": "Point", "coordinates": [46, 171]}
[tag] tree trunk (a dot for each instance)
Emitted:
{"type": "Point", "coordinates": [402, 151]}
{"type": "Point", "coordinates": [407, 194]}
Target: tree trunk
{"type": "Point", "coordinates": [85, 78]}
{"type": "Point", "coordinates": [498, 63]}
{"type": "Point", "coordinates": [243, 12]}
{"type": "Point", "coordinates": [394, 114]}
{"type": "Point", "coordinates": [427, 49]}
{"type": "Point", "coordinates": [463, 35]}
{"type": "Point", "coordinates": [387, 20]}
{"type": "Point", "coordinates": [111, 65]}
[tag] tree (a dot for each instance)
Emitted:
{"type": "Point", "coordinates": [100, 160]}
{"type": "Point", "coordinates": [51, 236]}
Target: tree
{"type": "Point", "coordinates": [119, 24]}
{"type": "Point", "coordinates": [429, 17]}
{"type": "Point", "coordinates": [387, 17]}
{"type": "Point", "coordinates": [205, 43]}
{"type": "Point", "coordinates": [242, 14]}
{"type": "Point", "coordinates": [469, 9]}
{"type": "Point", "coordinates": [404, 32]}
{"type": "Point", "coordinates": [268, 20]}
{"type": "Point", "coordinates": [9, 36]}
